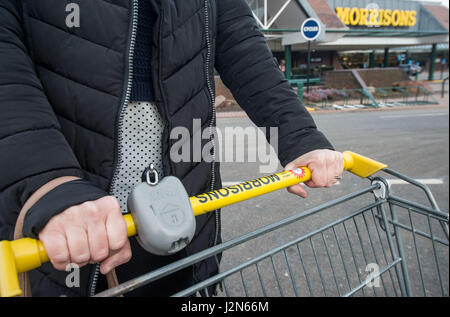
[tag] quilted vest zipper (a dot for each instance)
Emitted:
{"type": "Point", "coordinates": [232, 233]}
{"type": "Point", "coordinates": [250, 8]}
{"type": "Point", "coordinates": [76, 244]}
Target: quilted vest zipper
{"type": "Point", "coordinates": [213, 112]}
{"type": "Point", "coordinates": [211, 94]}
{"type": "Point", "coordinates": [118, 158]}
{"type": "Point", "coordinates": [118, 152]}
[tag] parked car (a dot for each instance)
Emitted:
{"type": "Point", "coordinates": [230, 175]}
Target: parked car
{"type": "Point", "coordinates": [411, 69]}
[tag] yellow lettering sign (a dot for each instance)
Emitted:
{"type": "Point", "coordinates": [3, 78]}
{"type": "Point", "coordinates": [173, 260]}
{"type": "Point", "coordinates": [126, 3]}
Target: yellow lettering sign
{"type": "Point", "coordinates": [387, 17]}
{"type": "Point", "coordinates": [363, 14]}
{"type": "Point", "coordinates": [376, 17]}
{"type": "Point", "coordinates": [412, 18]}
{"type": "Point", "coordinates": [343, 15]}
{"type": "Point", "coordinates": [355, 16]}
{"type": "Point", "coordinates": [396, 18]}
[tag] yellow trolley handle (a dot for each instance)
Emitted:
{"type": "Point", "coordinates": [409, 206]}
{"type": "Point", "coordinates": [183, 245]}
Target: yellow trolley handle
{"type": "Point", "coordinates": [26, 254]}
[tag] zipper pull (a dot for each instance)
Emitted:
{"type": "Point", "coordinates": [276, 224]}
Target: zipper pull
{"type": "Point", "coordinates": [151, 175]}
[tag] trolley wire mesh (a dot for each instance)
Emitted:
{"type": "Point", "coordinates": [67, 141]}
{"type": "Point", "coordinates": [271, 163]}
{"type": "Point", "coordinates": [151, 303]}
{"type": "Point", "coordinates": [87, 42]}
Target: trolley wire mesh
{"type": "Point", "coordinates": [390, 247]}
{"type": "Point", "coordinates": [349, 257]}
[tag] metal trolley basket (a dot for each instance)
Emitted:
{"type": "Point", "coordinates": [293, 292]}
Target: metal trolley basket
{"type": "Point", "coordinates": [390, 247]}
{"type": "Point", "coordinates": [370, 242]}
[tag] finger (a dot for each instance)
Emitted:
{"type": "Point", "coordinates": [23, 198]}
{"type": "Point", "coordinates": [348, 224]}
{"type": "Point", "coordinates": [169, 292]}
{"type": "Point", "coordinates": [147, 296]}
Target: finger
{"type": "Point", "coordinates": [337, 167]}
{"type": "Point", "coordinates": [340, 164]}
{"type": "Point", "coordinates": [116, 258]}
{"type": "Point", "coordinates": [335, 179]}
{"type": "Point", "coordinates": [318, 176]}
{"type": "Point", "coordinates": [78, 245]}
{"type": "Point", "coordinates": [116, 229]}
{"type": "Point", "coordinates": [311, 184]}
{"type": "Point", "coordinates": [56, 247]}
{"type": "Point", "coordinates": [94, 221]}
{"type": "Point", "coordinates": [330, 170]}
{"type": "Point", "coordinates": [298, 190]}
{"type": "Point", "coordinates": [98, 242]}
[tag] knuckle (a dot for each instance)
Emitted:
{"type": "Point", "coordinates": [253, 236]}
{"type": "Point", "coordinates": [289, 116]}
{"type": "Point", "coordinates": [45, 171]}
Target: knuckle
{"type": "Point", "coordinates": [81, 258]}
{"type": "Point", "coordinates": [118, 243]}
{"type": "Point", "coordinates": [90, 207]}
{"type": "Point", "coordinates": [71, 214]}
{"type": "Point", "coordinates": [92, 211]}
{"type": "Point", "coordinates": [313, 166]}
{"type": "Point", "coordinates": [51, 229]}
{"type": "Point", "coordinates": [95, 217]}
{"type": "Point", "coordinates": [112, 203]}
{"type": "Point", "coordinates": [126, 255]}
{"type": "Point", "coordinates": [309, 183]}
{"type": "Point", "coordinates": [323, 160]}
{"type": "Point", "coordinates": [321, 182]}
{"type": "Point", "coordinates": [60, 258]}
{"type": "Point", "coordinates": [59, 265]}
{"type": "Point", "coordinates": [55, 244]}
{"type": "Point", "coordinates": [100, 255]}
{"type": "Point", "coordinates": [55, 224]}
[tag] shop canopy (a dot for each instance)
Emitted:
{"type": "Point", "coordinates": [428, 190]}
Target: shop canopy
{"type": "Point", "coordinates": [351, 24]}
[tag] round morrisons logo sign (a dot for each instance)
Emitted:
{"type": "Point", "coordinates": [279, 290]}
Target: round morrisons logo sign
{"type": "Point", "coordinates": [375, 17]}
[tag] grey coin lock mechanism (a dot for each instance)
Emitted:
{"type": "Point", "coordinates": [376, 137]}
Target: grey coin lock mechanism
{"type": "Point", "coordinates": [163, 215]}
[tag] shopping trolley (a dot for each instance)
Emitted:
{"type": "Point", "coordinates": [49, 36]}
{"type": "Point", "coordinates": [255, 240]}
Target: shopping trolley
{"type": "Point", "coordinates": [370, 242]}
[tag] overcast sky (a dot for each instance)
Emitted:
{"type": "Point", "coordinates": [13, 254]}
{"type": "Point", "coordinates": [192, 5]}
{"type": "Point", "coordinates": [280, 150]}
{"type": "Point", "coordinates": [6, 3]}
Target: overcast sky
{"type": "Point", "coordinates": [444, 2]}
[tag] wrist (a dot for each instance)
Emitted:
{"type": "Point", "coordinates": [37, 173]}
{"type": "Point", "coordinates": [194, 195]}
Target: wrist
{"type": "Point", "coordinates": [65, 195]}
{"type": "Point", "coordinates": [38, 194]}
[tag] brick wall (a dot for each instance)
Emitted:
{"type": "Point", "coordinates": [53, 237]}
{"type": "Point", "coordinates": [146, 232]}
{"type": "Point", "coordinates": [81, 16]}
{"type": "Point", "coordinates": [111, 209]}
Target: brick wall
{"type": "Point", "coordinates": [230, 103]}
{"type": "Point", "coordinates": [343, 79]}
{"type": "Point", "coordinates": [221, 89]}
{"type": "Point", "coordinates": [382, 77]}
{"type": "Point", "coordinates": [373, 77]}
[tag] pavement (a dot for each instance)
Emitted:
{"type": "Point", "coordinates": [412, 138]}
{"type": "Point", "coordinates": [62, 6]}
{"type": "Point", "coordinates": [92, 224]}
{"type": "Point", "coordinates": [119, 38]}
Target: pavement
{"type": "Point", "coordinates": [413, 141]}
{"type": "Point", "coordinates": [438, 75]}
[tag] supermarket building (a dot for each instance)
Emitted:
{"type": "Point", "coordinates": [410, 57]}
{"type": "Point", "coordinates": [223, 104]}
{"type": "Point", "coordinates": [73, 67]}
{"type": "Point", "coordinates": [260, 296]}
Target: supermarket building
{"type": "Point", "coordinates": [357, 33]}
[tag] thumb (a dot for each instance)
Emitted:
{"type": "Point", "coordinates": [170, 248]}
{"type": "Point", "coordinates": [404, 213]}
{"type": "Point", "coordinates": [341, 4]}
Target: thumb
{"type": "Point", "coordinates": [297, 189]}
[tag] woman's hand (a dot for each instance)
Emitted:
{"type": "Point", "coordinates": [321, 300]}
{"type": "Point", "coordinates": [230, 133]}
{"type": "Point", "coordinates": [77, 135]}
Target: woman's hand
{"type": "Point", "coordinates": [326, 167]}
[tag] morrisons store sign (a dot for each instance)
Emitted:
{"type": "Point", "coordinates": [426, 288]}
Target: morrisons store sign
{"type": "Point", "coordinates": [376, 17]}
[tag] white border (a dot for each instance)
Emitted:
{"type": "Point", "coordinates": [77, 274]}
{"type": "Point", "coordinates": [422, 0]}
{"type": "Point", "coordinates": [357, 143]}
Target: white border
{"type": "Point", "coordinates": [318, 33]}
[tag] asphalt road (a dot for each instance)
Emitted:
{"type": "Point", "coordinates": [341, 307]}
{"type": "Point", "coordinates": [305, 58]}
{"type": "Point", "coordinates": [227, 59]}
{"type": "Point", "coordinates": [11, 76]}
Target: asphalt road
{"type": "Point", "coordinates": [334, 261]}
